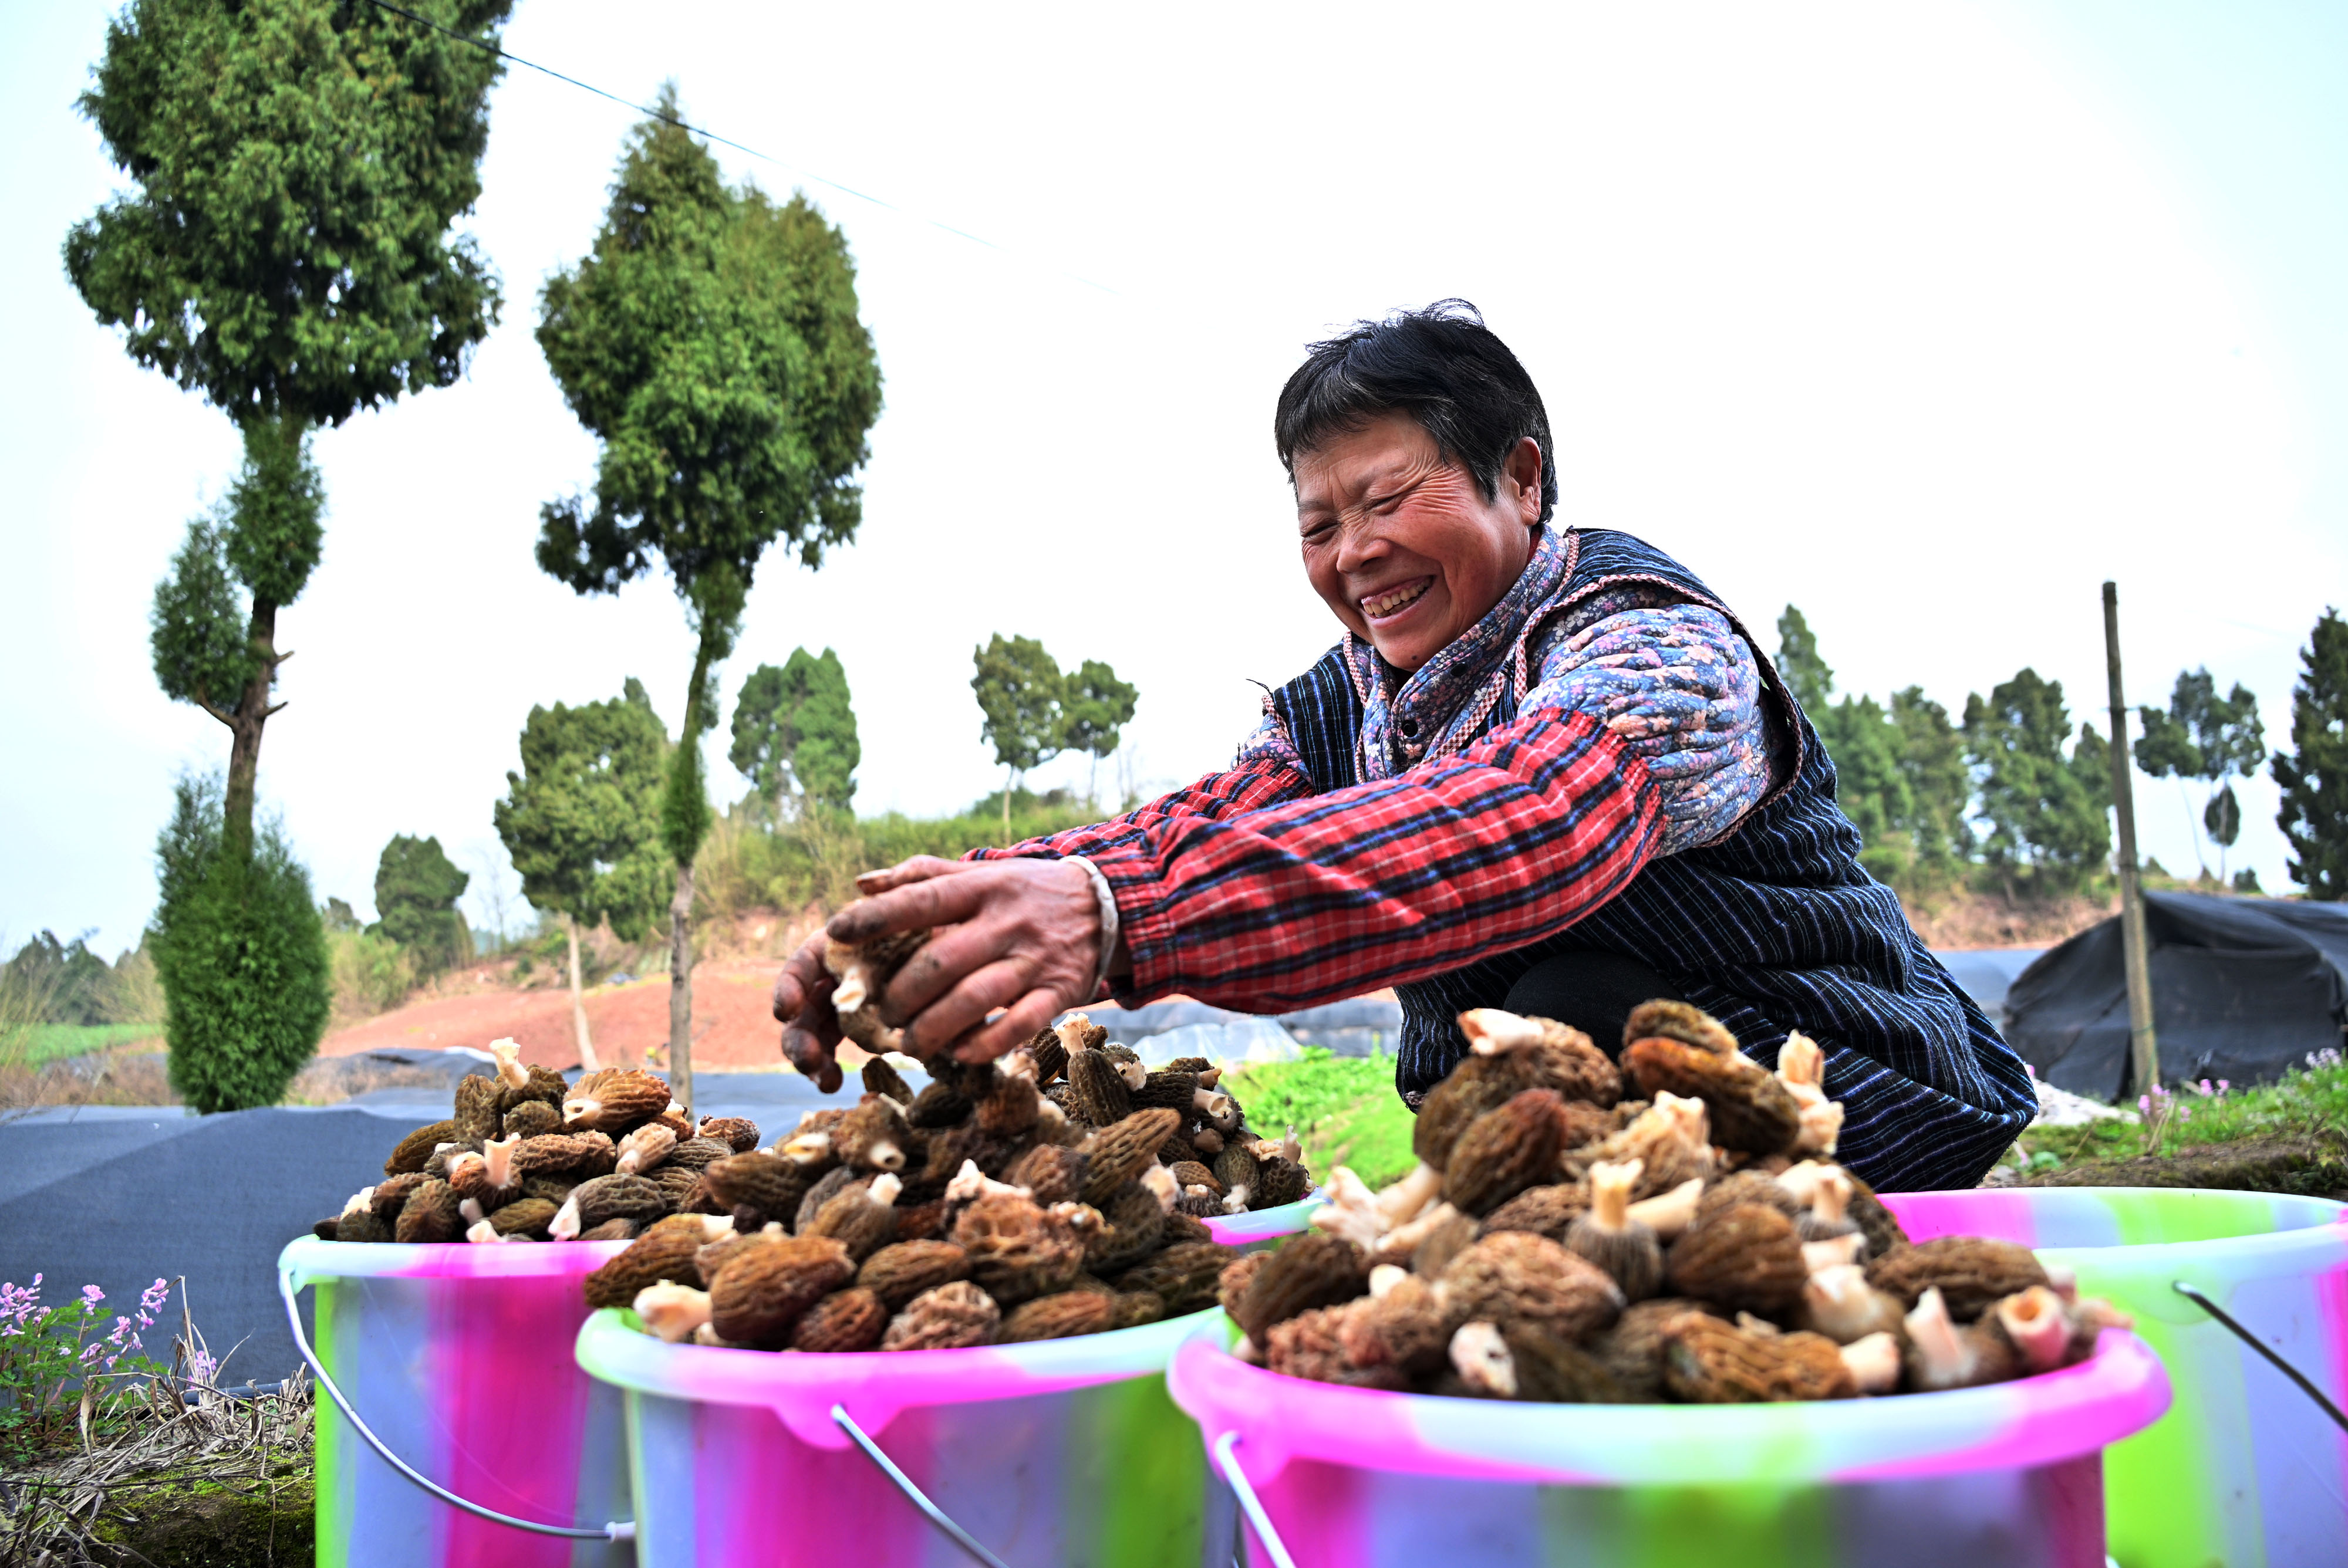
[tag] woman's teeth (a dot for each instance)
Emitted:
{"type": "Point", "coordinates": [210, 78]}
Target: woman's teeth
{"type": "Point", "coordinates": [1385, 604]}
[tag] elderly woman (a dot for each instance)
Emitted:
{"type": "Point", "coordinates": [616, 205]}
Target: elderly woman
{"type": "Point", "coordinates": [1543, 769]}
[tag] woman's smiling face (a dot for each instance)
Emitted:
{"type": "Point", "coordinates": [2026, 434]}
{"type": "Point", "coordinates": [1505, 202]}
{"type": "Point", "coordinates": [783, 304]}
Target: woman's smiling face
{"type": "Point", "coordinates": [1401, 543]}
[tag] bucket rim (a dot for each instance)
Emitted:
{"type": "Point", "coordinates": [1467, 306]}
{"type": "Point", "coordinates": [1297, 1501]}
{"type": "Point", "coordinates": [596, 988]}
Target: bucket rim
{"type": "Point", "coordinates": [2325, 1232]}
{"type": "Point", "coordinates": [1253, 1225]}
{"type": "Point", "coordinates": [308, 1260]}
{"type": "Point", "coordinates": [874, 1386]}
{"type": "Point", "coordinates": [2026, 1423]}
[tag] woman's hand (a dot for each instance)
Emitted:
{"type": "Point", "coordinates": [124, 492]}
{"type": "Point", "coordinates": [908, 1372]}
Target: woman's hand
{"type": "Point", "coordinates": [1023, 936]}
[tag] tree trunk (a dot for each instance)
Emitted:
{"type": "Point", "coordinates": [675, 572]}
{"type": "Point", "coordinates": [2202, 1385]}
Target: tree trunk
{"type": "Point", "coordinates": [244, 725]}
{"type": "Point", "coordinates": [680, 991]}
{"type": "Point", "coordinates": [587, 1062]}
{"type": "Point", "coordinates": [1007, 777]}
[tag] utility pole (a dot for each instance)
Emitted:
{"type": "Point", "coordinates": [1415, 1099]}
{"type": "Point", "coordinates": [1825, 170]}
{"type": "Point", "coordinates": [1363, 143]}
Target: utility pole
{"type": "Point", "coordinates": [2144, 1051]}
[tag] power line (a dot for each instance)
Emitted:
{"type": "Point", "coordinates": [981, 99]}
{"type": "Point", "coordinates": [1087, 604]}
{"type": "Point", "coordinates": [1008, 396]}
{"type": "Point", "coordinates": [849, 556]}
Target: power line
{"type": "Point", "coordinates": [657, 114]}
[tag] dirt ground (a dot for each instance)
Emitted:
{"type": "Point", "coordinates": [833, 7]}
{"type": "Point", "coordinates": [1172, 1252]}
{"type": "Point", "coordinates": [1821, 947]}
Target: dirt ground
{"type": "Point", "coordinates": [733, 1021]}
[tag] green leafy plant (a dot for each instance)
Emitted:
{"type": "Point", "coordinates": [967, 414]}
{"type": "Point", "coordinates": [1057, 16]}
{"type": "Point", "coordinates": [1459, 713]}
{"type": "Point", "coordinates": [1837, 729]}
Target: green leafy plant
{"type": "Point", "coordinates": [371, 974]}
{"type": "Point", "coordinates": [2047, 810]}
{"type": "Point", "coordinates": [2207, 737]}
{"type": "Point", "coordinates": [1344, 1110]}
{"type": "Point", "coordinates": [65, 1368]}
{"type": "Point", "coordinates": [1020, 693]}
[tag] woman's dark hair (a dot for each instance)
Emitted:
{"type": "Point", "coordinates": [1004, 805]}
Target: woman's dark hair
{"type": "Point", "coordinates": [1442, 366]}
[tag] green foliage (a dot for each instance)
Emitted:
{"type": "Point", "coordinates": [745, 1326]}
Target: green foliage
{"type": "Point", "coordinates": [2205, 736]}
{"type": "Point", "coordinates": [337, 915]}
{"type": "Point", "coordinates": [1095, 707]}
{"type": "Point", "coordinates": [60, 1041]}
{"type": "Point", "coordinates": [1020, 691]}
{"type": "Point", "coordinates": [2047, 810]}
{"type": "Point", "coordinates": [297, 164]}
{"type": "Point", "coordinates": [2312, 1099]}
{"type": "Point", "coordinates": [202, 649]}
{"type": "Point", "coordinates": [1900, 773]}
{"type": "Point", "coordinates": [1344, 1110]}
{"type": "Point", "coordinates": [242, 954]}
{"type": "Point", "coordinates": [72, 981]}
{"type": "Point", "coordinates": [372, 973]}
{"type": "Point", "coordinates": [795, 728]}
{"type": "Point", "coordinates": [1799, 665]}
{"type": "Point", "coordinates": [581, 820]}
{"type": "Point", "coordinates": [2314, 777]}
{"type": "Point", "coordinates": [416, 892]}
{"type": "Point", "coordinates": [711, 342]}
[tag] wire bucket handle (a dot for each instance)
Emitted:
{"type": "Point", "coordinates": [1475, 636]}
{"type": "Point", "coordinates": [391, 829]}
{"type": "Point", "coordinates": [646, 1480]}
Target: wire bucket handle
{"type": "Point", "coordinates": [617, 1530]}
{"type": "Point", "coordinates": [2306, 1383]}
{"type": "Point", "coordinates": [914, 1495]}
{"type": "Point", "coordinates": [1249, 1503]}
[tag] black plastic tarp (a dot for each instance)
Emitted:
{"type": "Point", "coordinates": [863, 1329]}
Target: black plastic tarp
{"type": "Point", "coordinates": [2241, 989]}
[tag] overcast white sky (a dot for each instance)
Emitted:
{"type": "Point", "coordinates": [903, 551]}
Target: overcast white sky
{"type": "Point", "coordinates": [1926, 318]}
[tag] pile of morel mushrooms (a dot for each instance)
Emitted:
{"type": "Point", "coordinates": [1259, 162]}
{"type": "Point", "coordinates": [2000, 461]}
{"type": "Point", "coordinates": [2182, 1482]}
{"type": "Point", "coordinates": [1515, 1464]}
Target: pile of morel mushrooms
{"type": "Point", "coordinates": [1558, 1241]}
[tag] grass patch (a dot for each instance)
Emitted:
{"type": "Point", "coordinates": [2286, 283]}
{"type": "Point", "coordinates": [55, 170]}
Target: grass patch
{"type": "Point", "coordinates": [2309, 1102]}
{"type": "Point", "coordinates": [1344, 1110]}
{"type": "Point", "coordinates": [56, 1042]}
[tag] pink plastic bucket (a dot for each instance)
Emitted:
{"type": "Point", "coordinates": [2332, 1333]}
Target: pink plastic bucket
{"type": "Point", "coordinates": [1353, 1477]}
{"type": "Point", "coordinates": [458, 1357]}
{"type": "Point", "coordinates": [2245, 1469]}
{"type": "Point", "coordinates": [1067, 1452]}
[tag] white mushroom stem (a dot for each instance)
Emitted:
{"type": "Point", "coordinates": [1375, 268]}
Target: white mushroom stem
{"type": "Point", "coordinates": [1838, 1303]}
{"type": "Point", "coordinates": [807, 1148]}
{"type": "Point", "coordinates": [2061, 1276]}
{"type": "Point", "coordinates": [510, 1071]}
{"type": "Point", "coordinates": [707, 1335]}
{"type": "Point", "coordinates": [1289, 1149]}
{"type": "Point", "coordinates": [1683, 1114]}
{"type": "Point", "coordinates": [1351, 1210]}
{"type": "Point", "coordinates": [581, 1108]}
{"type": "Point", "coordinates": [1134, 1073]}
{"type": "Point", "coordinates": [469, 1211]}
{"type": "Point", "coordinates": [673, 1311]}
{"type": "Point", "coordinates": [1216, 1106]}
{"type": "Point", "coordinates": [1834, 1252]}
{"type": "Point", "coordinates": [1405, 1199]}
{"type": "Point", "coordinates": [1818, 1128]}
{"type": "Point", "coordinates": [1079, 1217]}
{"type": "Point", "coordinates": [1831, 1198]}
{"type": "Point", "coordinates": [883, 1190]}
{"type": "Point", "coordinates": [565, 1226]}
{"type": "Point", "coordinates": [498, 1156]}
{"type": "Point", "coordinates": [1198, 1190]}
{"type": "Point", "coordinates": [1802, 1180]}
{"type": "Point", "coordinates": [1384, 1277]}
{"type": "Point", "coordinates": [1668, 1214]}
{"type": "Point", "coordinates": [883, 1154]}
{"type": "Point", "coordinates": [970, 1184]}
{"type": "Point", "coordinates": [1071, 1030]}
{"type": "Point", "coordinates": [1874, 1362]}
{"type": "Point", "coordinates": [1235, 1201]}
{"type": "Point", "coordinates": [1482, 1359]}
{"type": "Point", "coordinates": [1610, 1186]}
{"type": "Point", "coordinates": [645, 1148]}
{"type": "Point", "coordinates": [2034, 1320]}
{"type": "Point", "coordinates": [1800, 1063]}
{"type": "Point", "coordinates": [1162, 1186]}
{"type": "Point", "coordinates": [1944, 1359]}
{"type": "Point", "coordinates": [855, 989]}
{"type": "Point", "coordinates": [1399, 1243]}
{"type": "Point", "coordinates": [1018, 1064]}
{"type": "Point", "coordinates": [359, 1202]}
{"type": "Point", "coordinates": [1491, 1033]}
{"type": "Point", "coordinates": [481, 1233]}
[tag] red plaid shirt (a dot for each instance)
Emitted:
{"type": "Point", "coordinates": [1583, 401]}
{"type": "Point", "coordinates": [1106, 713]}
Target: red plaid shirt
{"type": "Point", "coordinates": [1249, 891]}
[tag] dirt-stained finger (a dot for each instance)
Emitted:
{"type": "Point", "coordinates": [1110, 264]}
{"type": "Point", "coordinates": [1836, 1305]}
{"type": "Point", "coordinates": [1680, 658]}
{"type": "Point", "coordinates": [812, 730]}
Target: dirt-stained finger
{"type": "Point", "coordinates": [1013, 1029]}
{"type": "Point", "coordinates": [915, 907]}
{"type": "Point", "coordinates": [965, 1007]}
{"type": "Point", "coordinates": [803, 974]}
{"type": "Point", "coordinates": [919, 868]}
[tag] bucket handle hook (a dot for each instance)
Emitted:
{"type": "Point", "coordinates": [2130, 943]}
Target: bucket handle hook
{"type": "Point", "coordinates": [914, 1495]}
{"type": "Point", "coordinates": [618, 1530]}
{"type": "Point", "coordinates": [1226, 1461]}
{"type": "Point", "coordinates": [2306, 1386]}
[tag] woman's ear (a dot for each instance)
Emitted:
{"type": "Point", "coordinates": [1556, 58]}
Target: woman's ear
{"type": "Point", "coordinates": [1523, 469]}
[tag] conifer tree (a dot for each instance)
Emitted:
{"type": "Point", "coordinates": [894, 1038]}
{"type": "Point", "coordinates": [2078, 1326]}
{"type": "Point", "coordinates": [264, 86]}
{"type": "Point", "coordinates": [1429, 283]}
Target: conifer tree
{"type": "Point", "coordinates": [795, 729]}
{"type": "Point", "coordinates": [711, 343]}
{"type": "Point", "coordinates": [2314, 776]}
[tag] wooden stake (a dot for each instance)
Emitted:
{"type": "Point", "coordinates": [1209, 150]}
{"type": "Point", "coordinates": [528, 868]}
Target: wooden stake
{"type": "Point", "coordinates": [2144, 1050]}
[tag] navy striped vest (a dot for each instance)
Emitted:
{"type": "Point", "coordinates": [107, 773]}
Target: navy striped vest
{"type": "Point", "coordinates": [1772, 929]}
